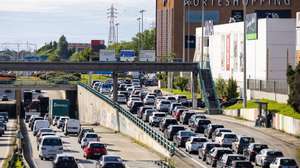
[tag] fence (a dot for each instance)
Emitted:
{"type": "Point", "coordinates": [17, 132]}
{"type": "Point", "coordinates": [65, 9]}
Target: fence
{"type": "Point", "coordinates": [140, 123]}
{"type": "Point", "coordinates": [270, 86]}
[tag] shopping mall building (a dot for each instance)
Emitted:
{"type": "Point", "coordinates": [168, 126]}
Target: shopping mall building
{"type": "Point", "coordinates": [177, 20]}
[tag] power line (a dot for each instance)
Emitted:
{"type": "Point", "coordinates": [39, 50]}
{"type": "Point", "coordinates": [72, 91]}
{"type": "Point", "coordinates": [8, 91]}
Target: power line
{"type": "Point", "coordinates": [112, 15]}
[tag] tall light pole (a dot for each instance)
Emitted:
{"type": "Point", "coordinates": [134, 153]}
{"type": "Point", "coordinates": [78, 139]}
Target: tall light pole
{"type": "Point", "coordinates": [139, 35]}
{"type": "Point", "coordinates": [117, 26]}
{"type": "Point", "coordinates": [202, 37]}
{"type": "Point", "coordinates": [183, 33]}
{"type": "Point", "coordinates": [245, 56]}
{"type": "Point", "coordinates": [142, 13]}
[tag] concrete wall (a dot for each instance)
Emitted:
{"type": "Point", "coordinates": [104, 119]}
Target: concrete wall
{"type": "Point", "coordinates": [93, 109]}
{"type": "Point", "coordinates": [281, 98]}
{"type": "Point", "coordinates": [280, 122]}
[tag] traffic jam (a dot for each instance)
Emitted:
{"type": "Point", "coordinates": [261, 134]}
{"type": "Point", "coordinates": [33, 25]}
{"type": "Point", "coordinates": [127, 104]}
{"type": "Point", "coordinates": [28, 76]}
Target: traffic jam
{"type": "Point", "coordinates": [190, 130]}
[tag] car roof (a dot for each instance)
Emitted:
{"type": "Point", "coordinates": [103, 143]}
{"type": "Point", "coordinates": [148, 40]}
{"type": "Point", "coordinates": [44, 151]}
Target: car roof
{"type": "Point", "coordinates": [285, 158]}
{"type": "Point", "coordinates": [271, 150]}
{"type": "Point", "coordinates": [64, 155]}
{"type": "Point", "coordinates": [51, 136]}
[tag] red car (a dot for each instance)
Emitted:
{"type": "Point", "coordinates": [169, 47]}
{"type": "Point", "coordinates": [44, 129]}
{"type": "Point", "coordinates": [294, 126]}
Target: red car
{"type": "Point", "coordinates": [94, 150]}
{"type": "Point", "coordinates": [178, 113]}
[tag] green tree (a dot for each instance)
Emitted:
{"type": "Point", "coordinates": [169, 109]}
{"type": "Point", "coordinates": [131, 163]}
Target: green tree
{"type": "Point", "coordinates": [221, 87]}
{"type": "Point", "coordinates": [62, 49]}
{"type": "Point", "coordinates": [81, 56]}
{"type": "Point", "coordinates": [293, 77]}
{"type": "Point", "coordinates": [181, 82]}
{"type": "Point", "coordinates": [231, 89]}
{"type": "Point", "coordinates": [53, 57]}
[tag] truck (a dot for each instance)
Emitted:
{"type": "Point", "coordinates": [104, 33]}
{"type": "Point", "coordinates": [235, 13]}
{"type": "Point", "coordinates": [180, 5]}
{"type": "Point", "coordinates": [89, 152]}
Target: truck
{"type": "Point", "coordinates": [58, 107]}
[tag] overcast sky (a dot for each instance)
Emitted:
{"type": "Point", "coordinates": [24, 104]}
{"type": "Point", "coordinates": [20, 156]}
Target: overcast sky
{"type": "Point", "coordinates": [40, 21]}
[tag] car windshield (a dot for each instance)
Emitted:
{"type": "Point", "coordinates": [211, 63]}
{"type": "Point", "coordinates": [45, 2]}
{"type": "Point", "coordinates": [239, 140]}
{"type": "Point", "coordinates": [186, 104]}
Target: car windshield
{"type": "Point", "coordinates": [275, 154]}
{"type": "Point", "coordinates": [189, 114]}
{"type": "Point", "coordinates": [217, 126]}
{"type": "Point", "coordinates": [160, 115]}
{"type": "Point", "coordinates": [186, 134]}
{"type": "Point", "coordinates": [230, 159]}
{"type": "Point", "coordinates": [222, 152]}
{"type": "Point", "coordinates": [199, 140]}
{"type": "Point", "coordinates": [91, 136]}
{"type": "Point", "coordinates": [112, 159]}
{"type": "Point", "coordinates": [106, 86]}
{"type": "Point", "coordinates": [171, 98]}
{"type": "Point", "coordinates": [97, 145]}
{"type": "Point", "coordinates": [204, 122]}
{"type": "Point", "coordinates": [288, 162]}
{"type": "Point", "coordinates": [171, 121]}
{"type": "Point", "coordinates": [231, 136]}
{"type": "Point", "coordinates": [52, 142]}
{"type": "Point", "coordinates": [151, 97]}
{"type": "Point", "coordinates": [259, 147]}
{"type": "Point", "coordinates": [243, 164]}
{"type": "Point", "coordinates": [165, 102]}
{"type": "Point", "coordinates": [247, 140]}
{"type": "Point", "coordinates": [66, 159]}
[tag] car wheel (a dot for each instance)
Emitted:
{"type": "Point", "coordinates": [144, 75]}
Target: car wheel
{"type": "Point", "coordinates": [41, 158]}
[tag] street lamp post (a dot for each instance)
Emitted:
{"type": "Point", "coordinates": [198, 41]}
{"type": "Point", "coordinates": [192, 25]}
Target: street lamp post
{"type": "Point", "coordinates": [142, 13]}
{"type": "Point", "coordinates": [202, 36]}
{"type": "Point", "coordinates": [117, 26]}
{"type": "Point", "coordinates": [245, 56]}
{"type": "Point", "coordinates": [139, 35]}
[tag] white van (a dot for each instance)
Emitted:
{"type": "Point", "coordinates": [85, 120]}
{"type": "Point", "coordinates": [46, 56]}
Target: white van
{"type": "Point", "coordinates": [72, 126]}
{"type": "Point", "coordinates": [50, 146]}
{"type": "Point", "coordinates": [38, 124]}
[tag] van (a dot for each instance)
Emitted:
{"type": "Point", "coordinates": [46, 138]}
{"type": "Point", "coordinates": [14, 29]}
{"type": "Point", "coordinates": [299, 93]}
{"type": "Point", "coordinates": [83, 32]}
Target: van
{"type": "Point", "coordinates": [50, 146]}
{"type": "Point", "coordinates": [40, 124]}
{"type": "Point", "coordinates": [72, 126]}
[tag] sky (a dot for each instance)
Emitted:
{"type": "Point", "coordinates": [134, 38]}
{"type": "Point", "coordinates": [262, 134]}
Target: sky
{"type": "Point", "coordinates": [42, 21]}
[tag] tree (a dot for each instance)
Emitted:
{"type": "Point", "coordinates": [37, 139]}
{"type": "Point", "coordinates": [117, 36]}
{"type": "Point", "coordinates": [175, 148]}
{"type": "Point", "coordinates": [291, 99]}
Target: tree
{"type": "Point", "coordinates": [81, 56]}
{"type": "Point", "coordinates": [231, 89]}
{"type": "Point", "coordinates": [181, 82]}
{"type": "Point", "coordinates": [221, 87]}
{"type": "Point", "coordinates": [62, 49]}
{"type": "Point", "coordinates": [293, 77]}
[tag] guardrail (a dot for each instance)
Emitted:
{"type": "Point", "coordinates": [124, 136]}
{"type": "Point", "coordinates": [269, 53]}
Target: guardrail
{"type": "Point", "coordinates": [140, 123]}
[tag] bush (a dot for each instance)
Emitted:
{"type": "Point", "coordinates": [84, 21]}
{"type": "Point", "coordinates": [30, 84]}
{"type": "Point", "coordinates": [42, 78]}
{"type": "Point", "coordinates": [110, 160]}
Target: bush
{"type": "Point", "coordinates": [181, 83]}
{"type": "Point", "coordinates": [221, 88]}
{"type": "Point", "coordinates": [231, 89]}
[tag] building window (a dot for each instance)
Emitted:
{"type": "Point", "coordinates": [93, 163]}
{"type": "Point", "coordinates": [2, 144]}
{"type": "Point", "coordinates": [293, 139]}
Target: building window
{"type": "Point", "coordinates": [195, 16]}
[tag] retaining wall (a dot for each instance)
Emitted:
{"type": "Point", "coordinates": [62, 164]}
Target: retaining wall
{"type": "Point", "coordinates": [93, 109]}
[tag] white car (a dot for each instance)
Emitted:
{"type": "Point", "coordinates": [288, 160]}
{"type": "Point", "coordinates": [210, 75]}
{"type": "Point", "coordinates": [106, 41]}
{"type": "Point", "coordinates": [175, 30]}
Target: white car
{"type": "Point", "coordinates": [163, 105]}
{"type": "Point", "coordinates": [40, 124]}
{"type": "Point", "coordinates": [121, 98]}
{"type": "Point", "coordinates": [226, 139]}
{"type": "Point", "coordinates": [194, 143]}
{"type": "Point", "coordinates": [266, 157]}
{"type": "Point", "coordinates": [131, 100]}
{"type": "Point", "coordinates": [61, 121]}
{"type": "Point", "coordinates": [284, 162]}
{"type": "Point", "coordinates": [72, 126]}
{"type": "Point", "coordinates": [149, 100]}
{"type": "Point", "coordinates": [171, 98]}
{"type": "Point", "coordinates": [105, 160]}
{"type": "Point", "coordinates": [89, 137]}
{"type": "Point", "coordinates": [156, 118]}
{"type": "Point", "coordinates": [50, 146]}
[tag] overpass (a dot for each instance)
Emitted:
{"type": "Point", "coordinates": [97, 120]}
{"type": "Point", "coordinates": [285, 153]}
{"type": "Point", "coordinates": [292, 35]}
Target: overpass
{"type": "Point", "coordinates": [37, 85]}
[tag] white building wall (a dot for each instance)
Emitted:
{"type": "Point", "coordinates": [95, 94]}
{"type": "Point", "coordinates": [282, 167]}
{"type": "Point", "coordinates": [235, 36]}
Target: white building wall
{"type": "Point", "coordinates": [274, 35]}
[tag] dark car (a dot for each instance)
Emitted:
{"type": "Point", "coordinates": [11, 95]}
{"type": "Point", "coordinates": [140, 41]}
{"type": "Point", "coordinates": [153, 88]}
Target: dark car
{"type": "Point", "coordinates": [172, 130]}
{"type": "Point", "coordinates": [4, 98]}
{"type": "Point", "coordinates": [113, 165]}
{"type": "Point", "coordinates": [230, 102]}
{"type": "Point", "coordinates": [215, 154]}
{"type": "Point", "coordinates": [206, 147]}
{"type": "Point", "coordinates": [241, 164]}
{"type": "Point", "coordinates": [142, 110]}
{"type": "Point", "coordinates": [227, 159]}
{"type": "Point", "coordinates": [82, 132]}
{"type": "Point", "coordinates": [166, 122]}
{"type": "Point", "coordinates": [63, 161]}
{"type": "Point", "coordinates": [27, 118]}
{"type": "Point", "coordinates": [211, 128]}
{"type": "Point", "coordinates": [194, 117]}
{"type": "Point", "coordinates": [157, 92]}
{"type": "Point", "coordinates": [181, 137]}
{"type": "Point", "coordinates": [200, 125]}
{"type": "Point", "coordinates": [242, 143]}
{"type": "Point", "coordinates": [135, 106]}
{"type": "Point", "coordinates": [184, 118]}
{"type": "Point", "coordinates": [253, 149]}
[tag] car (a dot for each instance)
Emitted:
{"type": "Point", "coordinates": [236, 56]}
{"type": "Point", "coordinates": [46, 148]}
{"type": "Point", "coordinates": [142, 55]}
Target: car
{"type": "Point", "coordinates": [50, 146]}
{"type": "Point", "coordinates": [163, 105]}
{"type": "Point", "coordinates": [218, 132]}
{"type": "Point", "coordinates": [40, 137]}
{"type": "Point", "coordinates": [72, 126]}
{"type": "Point", "coordinates": [64, 161]}
{"type": "Point", "coordinates": [158, 99]}
{"type": "Point", "coordinates": [42, 130]}
{"type": "Point", "coordinates": [32, 120]}
{"type": "Point", "coordinates": [215, 154]}
{"type": "Point", "coordinates": [142, 110]}
{"type": "Point", "coordinates": [4, 125]}
{"type": "Point", "coordinates": [4, 98]}
{"type": "Point", "coordinates": [210, 129]}
{"type": "Point", "coordinates": [61, 121]}
{"type": "Point", "coordinates": [242, 143]}
{"type": "Point", "coordinates": [157, 92]}
{"type": "Point", "coordinates": [200, 125]}
{"type": "Point", "coordinates": [149, 100]}
{"type": "Point", "coordinates": [241, 164]}
{"type": "Point", "coordinates": [226, 139]}
{"type": "Point", "coordinates": [89, 137]}
{"type": "Point", "coordinates": [180, 98]}
{"type": "Point", "coordinates": [284, 162]}
{"type": "Point", "coordinates": [82, 132]}
{"type": "Point", "coordinates": [156, 118]}
{"type": "Point", "coordinates": [253, 149]}
{"type": "Point", "coordinates": [172, 107]}
{"type": "Point", "coordinates": [147, 114]}
{"type": "Point", "coordinates": [5, 115]}
{"type": "Point", "coordinates": [185, 116]}
{"type": "Point", "coordinates": [135, 106]}
{"type": "Point", "coordinates": [266, 157]}
{"type": "Point", "coordinates": [121, 98]}
{"type": "Point", "coordinates": [111, 161]}
{"type": "Point", "coordinates": [131, 100]}
{"type": "Point", "coordinates": [94, 150]}
{"type": "Point", "coordinates": [181, 137]}
{"type": "Point", "coordinates": [172, 130]}
{"type": "Point", "coordinates": [2, 128]}
{"type": "Point", "coordinates": [38, 124]}
{"type": "Point", "coordinates": [194, 143]}
{"type": "Point", "coordinates": [172, 99]}
{"type": "Point", "coordinates": [176, 114]}
{"type": "Point", "coordinates": [27, 118]}
{"type": "Point", "coordinates": [55, 119]}
{"type": "Point", "coordinates": [205, 148]}
{"type": "Point", "coordinates": [227, 159]}
{"type": "Point", "coordinates": [105, 88]}
{"type": "Point", "coordinates": [166, 122]}
{"type": "Point", "coordinates": [194, 117]}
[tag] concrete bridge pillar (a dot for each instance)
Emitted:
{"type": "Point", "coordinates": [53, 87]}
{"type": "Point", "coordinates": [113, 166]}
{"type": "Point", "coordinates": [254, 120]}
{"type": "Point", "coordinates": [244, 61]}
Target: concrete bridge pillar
{"type": "Point", "coordinates": [115, 95]}
{"type": "Point", "coordinates": [18, 103]}
{"type": "Point", "coordinates": [193, 89]}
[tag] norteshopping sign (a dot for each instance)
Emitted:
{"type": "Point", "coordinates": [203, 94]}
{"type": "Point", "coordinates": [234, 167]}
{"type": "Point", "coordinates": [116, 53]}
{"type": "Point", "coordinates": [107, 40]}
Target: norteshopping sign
{"type": "Point", "coordinates": [228, 3]}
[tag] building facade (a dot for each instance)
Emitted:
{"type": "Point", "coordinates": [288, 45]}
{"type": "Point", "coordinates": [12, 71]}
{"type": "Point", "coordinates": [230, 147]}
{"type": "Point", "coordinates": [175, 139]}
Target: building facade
{"type": "Point", "coordinates": [177, 20]}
